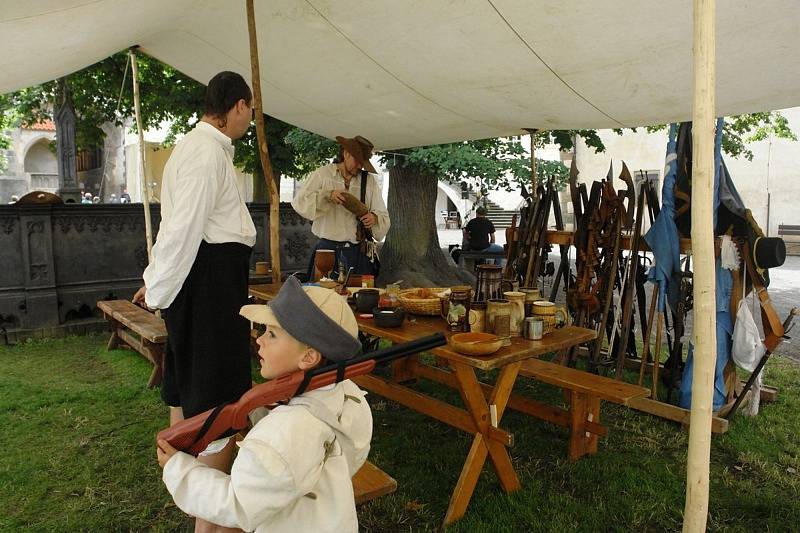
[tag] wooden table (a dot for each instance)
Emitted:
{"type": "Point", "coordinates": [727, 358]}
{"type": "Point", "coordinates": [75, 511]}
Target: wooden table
{"type": "Point", "coordinates": [484, 403]}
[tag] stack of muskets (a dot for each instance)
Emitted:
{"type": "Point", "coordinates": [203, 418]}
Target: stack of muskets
{"type": "Point", "coordinates": [528, 252]}
{"type": "Point", "coordinates": [607, 291]}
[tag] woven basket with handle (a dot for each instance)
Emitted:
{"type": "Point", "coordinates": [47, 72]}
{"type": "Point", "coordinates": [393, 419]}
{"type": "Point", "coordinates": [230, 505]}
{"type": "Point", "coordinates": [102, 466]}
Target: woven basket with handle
{"type": "Point", "coordinates": [430, 306]}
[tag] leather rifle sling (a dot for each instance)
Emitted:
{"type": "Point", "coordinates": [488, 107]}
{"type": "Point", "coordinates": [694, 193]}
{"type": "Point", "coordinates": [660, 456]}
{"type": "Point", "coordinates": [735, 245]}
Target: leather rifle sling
{"type": "Point", "coordinates": [768, 314]}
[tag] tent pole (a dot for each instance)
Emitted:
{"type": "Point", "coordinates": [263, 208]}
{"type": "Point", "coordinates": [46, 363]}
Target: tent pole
{"type": "Point", "coordinates": [534, 184]}
{"type": "Point", "coordinates": [263, 151]}
{"type": "Point", "coordinates": [148, 226]}
{"type": "Point", "coordinates": [705, 344]}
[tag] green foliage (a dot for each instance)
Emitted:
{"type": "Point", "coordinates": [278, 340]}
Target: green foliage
{"type": "Point", "coordinates": [487, 163]}
{"type": "Point", "coordinates": [283, 155]}
{"type": "Point", "coordinates": [741, 130]}
{"type": "Point", "coordinates": [7, 120]}
{"type": "Point", "coordinates": [103, 93]}
{"type": "Point", "coordinates": [311, 150]}
{"type": "Point", "coordinates": [564, 139]}
{"type": "Point", "coordinates": [100, 96]}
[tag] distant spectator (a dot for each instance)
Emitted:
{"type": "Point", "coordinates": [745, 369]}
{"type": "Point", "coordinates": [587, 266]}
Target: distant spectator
{"type": "Point", "coordinates": [126, 196]}
{"type": "Point", "coordinates": [96, 200]}
{"type": "Point", "coordinates": [480, 233]}
{"type": "Point", "coordinates": [14, 199]}
{"type": "Point", "coordinates": [87, 198]}
{"type": "Point", "coordinates": [114, 199]}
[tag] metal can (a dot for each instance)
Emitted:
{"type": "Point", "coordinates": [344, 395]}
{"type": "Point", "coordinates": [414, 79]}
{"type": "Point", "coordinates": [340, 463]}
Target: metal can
{"type": "Point", "coordinates": [534, 326]}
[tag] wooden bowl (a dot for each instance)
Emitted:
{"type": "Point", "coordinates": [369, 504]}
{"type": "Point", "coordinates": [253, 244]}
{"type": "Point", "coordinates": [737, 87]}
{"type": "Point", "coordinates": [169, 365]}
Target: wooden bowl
{"type": "Point", "coordinates": [475, 343]}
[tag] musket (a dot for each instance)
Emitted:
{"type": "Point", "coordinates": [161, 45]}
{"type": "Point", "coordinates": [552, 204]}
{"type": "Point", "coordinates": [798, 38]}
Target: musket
{"type": "Point", "coordinates": [787, 326]}
{"type": "Point", "coordinates": [630, 194]}
{"type": "Point", "coordinates": [630, 287]}
{"type": "Point", "coordinates": [672, 365]}
{"type": "Point", "coordinates": [511, 251]}
{"type": "Point", "coordinates": [532, 274]}
{"type": "Point", "coordinates": [575, 195]}
{"type": "Point", "coordinates": [563, 265]}
{"type": "Point", "coordinates": [615, 212]}
{"type": "Point", "coordinates": [194, 434]}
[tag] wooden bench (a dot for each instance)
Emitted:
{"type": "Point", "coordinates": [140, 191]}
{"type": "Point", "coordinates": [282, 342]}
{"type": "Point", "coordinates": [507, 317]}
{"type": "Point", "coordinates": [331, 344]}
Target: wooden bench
{"type": "Point", "coordinates": [586, 391]}
{"type": "Point", "coordinates": [138, 328]}
{"type": "Point", "coordinates": [475, 255]}
{"type": "Point", "coordinates": [791, 236]}
{"type": "Point", "coordinates": [371, 482]}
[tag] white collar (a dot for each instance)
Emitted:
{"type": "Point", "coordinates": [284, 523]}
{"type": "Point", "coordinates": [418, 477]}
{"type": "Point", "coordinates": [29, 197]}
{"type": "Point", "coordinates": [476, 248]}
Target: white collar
{"type": "Point", "coordinates": [223, 139]}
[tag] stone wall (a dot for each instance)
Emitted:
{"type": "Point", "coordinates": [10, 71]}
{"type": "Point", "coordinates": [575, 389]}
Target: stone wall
{"type": "Point", "coordinates": [15, 180]}
{"type": "Point", "coordinates": [58, 261]}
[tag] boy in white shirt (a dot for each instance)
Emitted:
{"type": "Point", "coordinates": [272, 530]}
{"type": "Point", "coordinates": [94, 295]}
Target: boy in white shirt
{"type": "Point", "coordinates": [293, 470]}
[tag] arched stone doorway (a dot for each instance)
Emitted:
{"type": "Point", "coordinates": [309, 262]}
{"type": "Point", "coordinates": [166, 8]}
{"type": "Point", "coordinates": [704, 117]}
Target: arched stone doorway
{"type": "Point", "coordinates": [41, 166]}
{"type": "Point", "coordinates": [448, 200]}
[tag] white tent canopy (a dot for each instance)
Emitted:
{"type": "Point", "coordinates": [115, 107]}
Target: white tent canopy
{"type": "Point", "coordinates": [412, 72]}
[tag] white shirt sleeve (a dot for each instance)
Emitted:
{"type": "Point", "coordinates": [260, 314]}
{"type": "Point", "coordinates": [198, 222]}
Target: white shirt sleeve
{"type": "Point", "coordinates": [376, 205]}
{"type": "Point", "coordinates": [312, 200]}
{"type": "Point", "coordinates": [261, 484]}
{"type": "Point", "coordinates": [176, 247]}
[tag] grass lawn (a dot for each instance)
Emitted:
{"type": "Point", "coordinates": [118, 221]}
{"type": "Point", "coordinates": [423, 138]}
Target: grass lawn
{"type": "Point", "coordinates": [78, 454]}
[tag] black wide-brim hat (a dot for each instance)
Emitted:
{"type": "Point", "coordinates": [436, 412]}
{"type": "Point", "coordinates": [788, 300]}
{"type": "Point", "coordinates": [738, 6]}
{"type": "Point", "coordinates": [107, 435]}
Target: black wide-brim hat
{"type": "Point", "coordinates": [769, 252]}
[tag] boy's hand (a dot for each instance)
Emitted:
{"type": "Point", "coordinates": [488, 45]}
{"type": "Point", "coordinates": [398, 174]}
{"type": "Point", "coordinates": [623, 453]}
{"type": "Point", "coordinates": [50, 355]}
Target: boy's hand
{"type": "Point", "coordinates": [164, 452]}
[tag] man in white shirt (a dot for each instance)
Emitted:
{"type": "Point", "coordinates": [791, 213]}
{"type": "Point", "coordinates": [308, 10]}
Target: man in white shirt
{"type": "Point", "coordinates": [199, 271]}
{"type": "Point", "coordinates": [320, 200]}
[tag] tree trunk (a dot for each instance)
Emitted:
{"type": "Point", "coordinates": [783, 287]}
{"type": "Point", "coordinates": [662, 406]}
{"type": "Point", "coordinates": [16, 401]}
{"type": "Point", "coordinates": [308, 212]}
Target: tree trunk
{"type": "Point", "coordinates": [411, 251]}
{"type": "Point", "coordinates": [259, 186]}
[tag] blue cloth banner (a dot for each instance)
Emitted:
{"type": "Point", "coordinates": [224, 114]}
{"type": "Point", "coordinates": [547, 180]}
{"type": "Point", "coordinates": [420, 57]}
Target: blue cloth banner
{"type": "Point", "coordinates": [662, 237]}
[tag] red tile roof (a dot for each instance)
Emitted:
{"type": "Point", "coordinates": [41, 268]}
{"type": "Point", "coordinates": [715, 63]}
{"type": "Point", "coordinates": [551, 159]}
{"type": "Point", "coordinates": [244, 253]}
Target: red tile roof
{"type": "Point", "coordinates": [45, 125]}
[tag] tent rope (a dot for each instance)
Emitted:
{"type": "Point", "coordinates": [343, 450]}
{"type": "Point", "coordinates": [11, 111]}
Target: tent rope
{"type": "Point", "coordinates": [116, 114]}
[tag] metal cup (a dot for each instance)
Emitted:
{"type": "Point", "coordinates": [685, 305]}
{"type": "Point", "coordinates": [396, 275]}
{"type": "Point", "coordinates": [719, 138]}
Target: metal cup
{"type": "Point", "coordinates": [534, 328]}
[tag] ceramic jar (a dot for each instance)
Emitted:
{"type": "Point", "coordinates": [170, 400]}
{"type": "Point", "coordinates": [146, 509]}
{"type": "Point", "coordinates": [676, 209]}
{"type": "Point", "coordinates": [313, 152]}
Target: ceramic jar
{"type": "Point", "coordinates": [477, 319]}
{"type": "Point", "coordinates": [494, 308]}
{"type": "Point", "coordinates": [549, 312]}
{"type": "Point", "coordinates": [516, 300]}
{"type": "Point", "coordinates": [456, 307]}
{"type": "Point", "coordinates": [532, 294]}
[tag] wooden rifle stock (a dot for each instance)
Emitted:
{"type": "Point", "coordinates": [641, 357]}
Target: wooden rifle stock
{"type": "Point", "coordinates": [194, 434]}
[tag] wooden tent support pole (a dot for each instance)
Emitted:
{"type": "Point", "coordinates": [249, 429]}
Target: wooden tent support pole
{"type": "Point", "coordinates": [263, 152]}
{"type": "Point", "coordinates": [695, 512]}
{"type": "Point", "coordinates": [145, 190]}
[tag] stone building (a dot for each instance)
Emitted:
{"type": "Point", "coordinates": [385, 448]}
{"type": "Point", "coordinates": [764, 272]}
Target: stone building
{"type": "Point", "coordinates": [32, 164]}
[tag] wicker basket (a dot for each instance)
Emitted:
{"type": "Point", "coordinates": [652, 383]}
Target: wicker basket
{"type": "Point", "coordinates": [422, 306]}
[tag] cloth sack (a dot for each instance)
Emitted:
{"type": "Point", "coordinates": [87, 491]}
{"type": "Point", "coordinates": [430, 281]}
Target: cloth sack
{"type": "Point", "coordinates": [748, 349]}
